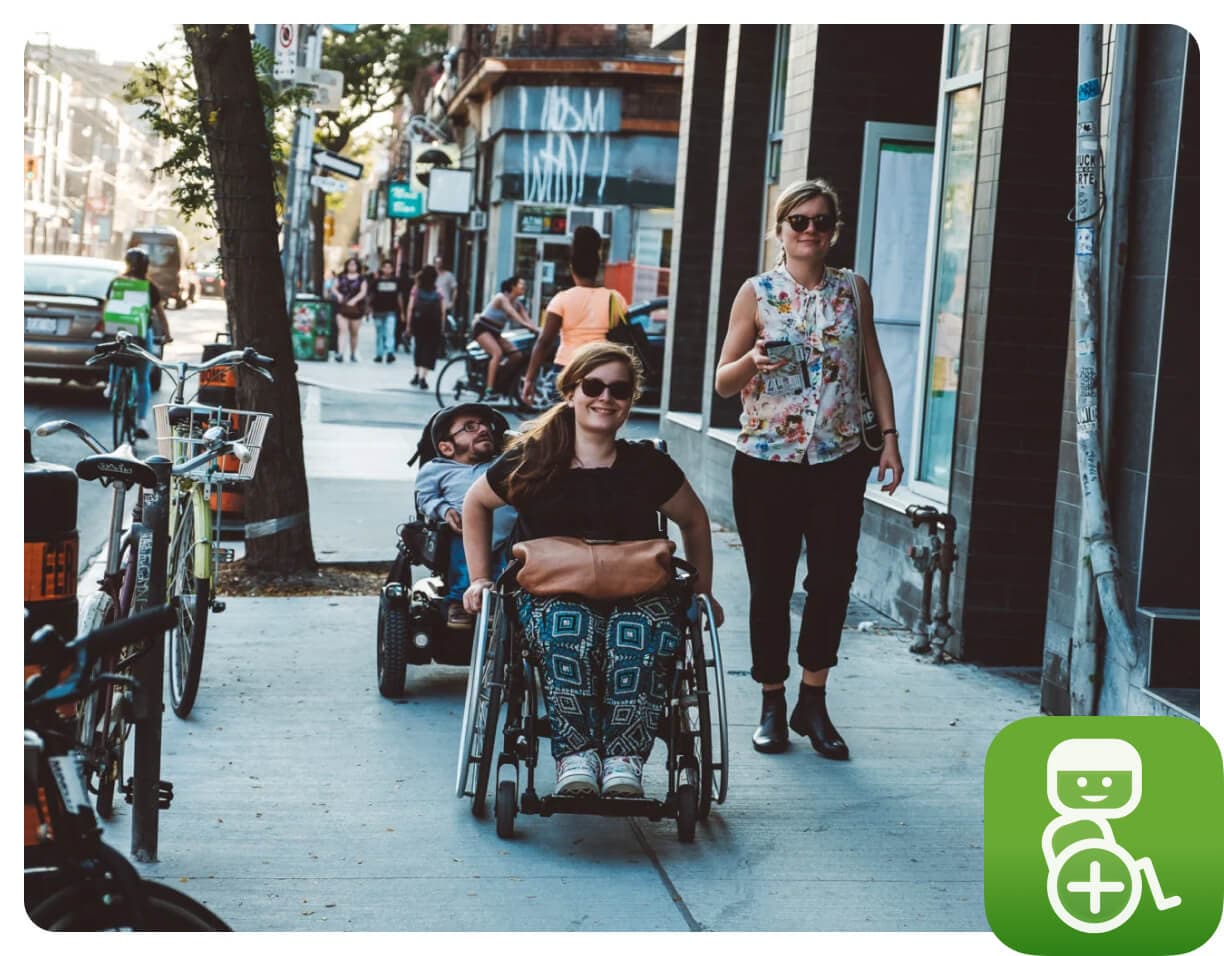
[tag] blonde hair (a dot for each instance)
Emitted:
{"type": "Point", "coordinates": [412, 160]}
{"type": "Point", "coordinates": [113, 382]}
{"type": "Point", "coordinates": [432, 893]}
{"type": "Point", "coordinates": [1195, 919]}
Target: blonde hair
{"type": "Point", "coordinates": [796, 194]}
{"type": "Point", "coordinates": [547, 442]}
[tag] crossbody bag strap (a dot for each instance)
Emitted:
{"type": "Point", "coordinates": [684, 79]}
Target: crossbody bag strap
{"type": "Point", "coordinates": [864, 382]}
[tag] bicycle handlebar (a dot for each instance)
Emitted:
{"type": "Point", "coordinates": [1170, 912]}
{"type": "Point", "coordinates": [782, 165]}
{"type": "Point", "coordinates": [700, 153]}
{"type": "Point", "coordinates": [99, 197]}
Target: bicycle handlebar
{"type": "Point", "coordinates": [124, 344]}
{"type": "Point", "coordinates": [62, 424]}
{"type": "Point", "coordinates": [48, 650]}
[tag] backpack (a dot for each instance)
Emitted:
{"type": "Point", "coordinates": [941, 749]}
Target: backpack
{"type": "Point", "coordinates": [627, 333]}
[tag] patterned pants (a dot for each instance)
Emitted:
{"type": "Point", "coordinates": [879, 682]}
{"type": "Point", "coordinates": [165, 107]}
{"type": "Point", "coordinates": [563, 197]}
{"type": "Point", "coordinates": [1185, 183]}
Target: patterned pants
{"type": "Point", "coordinates": [607, 668]}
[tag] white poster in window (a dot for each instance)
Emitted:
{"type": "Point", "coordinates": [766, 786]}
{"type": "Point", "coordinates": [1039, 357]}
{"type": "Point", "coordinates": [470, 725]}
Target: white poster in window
{"type": "Point", "coordinates": [899, 252]}
{"type": "Point", "coordinates": [450, 190]}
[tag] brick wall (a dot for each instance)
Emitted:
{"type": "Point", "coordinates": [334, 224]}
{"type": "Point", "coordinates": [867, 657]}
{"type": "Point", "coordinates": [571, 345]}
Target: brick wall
{"type": "Point", "coordinates": [1014, 343]}
{"type": "Point", "coordinates": [693, 236]}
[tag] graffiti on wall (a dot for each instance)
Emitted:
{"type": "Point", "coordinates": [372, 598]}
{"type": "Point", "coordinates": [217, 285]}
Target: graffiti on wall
{"type": "Point", "coordinates": [574, 133]}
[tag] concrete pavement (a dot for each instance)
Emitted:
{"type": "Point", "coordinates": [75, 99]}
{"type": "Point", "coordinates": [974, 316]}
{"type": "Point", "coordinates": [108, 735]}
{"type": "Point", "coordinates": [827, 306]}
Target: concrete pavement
{"type": "Point", "coordinates": [305, 801]}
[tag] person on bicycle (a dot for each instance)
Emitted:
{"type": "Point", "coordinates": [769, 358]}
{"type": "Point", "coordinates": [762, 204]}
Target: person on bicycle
{"type": "Point", "coordinates": [144, 306]}
{"type": "Point", "coordinates": [487, 332]}
{"type": "Point", "coordinates": [464, 438]}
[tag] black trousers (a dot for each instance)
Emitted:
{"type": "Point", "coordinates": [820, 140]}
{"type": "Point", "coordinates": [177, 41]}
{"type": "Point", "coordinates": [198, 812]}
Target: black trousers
{"type": "Point", "coordinates": [779, 506]}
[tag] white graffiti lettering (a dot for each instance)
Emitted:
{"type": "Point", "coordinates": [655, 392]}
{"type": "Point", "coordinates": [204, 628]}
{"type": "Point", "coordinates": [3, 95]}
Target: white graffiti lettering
{"type": "Point", "coordinates": [555, 172]}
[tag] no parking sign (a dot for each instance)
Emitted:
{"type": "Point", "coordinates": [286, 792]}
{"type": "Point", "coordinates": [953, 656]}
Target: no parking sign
{"type": "Point", "coordinates": [285, 67]}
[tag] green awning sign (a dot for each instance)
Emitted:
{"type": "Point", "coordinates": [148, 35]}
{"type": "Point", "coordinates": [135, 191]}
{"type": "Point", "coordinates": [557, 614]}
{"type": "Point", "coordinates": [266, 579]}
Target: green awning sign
{"type": "Point", "coordinates": [403, 202]}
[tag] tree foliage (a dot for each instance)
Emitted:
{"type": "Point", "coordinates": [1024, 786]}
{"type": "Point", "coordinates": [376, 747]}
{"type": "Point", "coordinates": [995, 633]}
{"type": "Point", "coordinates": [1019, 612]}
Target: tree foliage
{"type": "Point", "coordinates": [165, 86]}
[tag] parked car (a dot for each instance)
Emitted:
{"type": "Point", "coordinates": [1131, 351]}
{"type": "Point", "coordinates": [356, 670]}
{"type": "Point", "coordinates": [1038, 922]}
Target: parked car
{"type": "Point", "coordinates": [64, 296]}
{"type": "Point", "coordinates": [211, 283]}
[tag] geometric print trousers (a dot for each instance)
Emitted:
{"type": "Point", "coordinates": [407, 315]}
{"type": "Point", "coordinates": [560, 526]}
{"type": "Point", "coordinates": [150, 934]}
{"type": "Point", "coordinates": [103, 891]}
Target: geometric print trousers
{"type": "Point", "coordinates": [607, 667]}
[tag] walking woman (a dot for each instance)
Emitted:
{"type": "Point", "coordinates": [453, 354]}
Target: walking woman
{"type": "Point", "coordinates": [487, 331]}
{"type": "Point", "coordinates": [425, 324]}
{"type": "Point", "coordinates": [580, 314]}
{"type": "Point", "coordinates": [801, 466]}
{"type": "Point", "coordinates": [569, 474]}
{"type": "Point", "coordinates": [349, 291]}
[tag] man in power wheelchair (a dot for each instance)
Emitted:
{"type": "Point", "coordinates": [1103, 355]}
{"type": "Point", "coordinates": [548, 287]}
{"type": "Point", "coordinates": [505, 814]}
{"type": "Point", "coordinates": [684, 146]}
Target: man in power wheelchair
{"type": "Point", "coordinates": [425, 621]}
{"type": "Point", "coordinates": [593, 617]}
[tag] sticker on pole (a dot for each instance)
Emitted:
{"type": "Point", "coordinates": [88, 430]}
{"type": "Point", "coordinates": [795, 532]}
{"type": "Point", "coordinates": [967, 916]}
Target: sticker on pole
{"type": "Point", "coordinates": [1085, 241]}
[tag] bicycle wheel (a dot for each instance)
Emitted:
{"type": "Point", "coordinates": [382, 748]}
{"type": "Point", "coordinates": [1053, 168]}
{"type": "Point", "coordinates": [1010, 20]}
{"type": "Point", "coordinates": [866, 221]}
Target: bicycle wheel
{"type": "Point", "coordinates": [190, 593]}
{"type": "Point", "coordinates": [454, 382]}
{"type": "Point", "coordinates": [101, 719]}
{"type": "Point", "coordinates": [123, 408]}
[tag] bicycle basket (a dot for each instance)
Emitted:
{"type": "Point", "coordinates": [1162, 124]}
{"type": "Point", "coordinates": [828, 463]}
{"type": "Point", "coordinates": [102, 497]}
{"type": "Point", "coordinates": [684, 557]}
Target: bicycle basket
{"type": "Point", "coordinates": [180, 437]}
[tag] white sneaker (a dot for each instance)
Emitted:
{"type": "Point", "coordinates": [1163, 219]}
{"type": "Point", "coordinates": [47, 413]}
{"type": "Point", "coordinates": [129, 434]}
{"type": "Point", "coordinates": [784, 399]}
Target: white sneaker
{"type": "Point", "coordinates": [578, 774]}
{"type": "Point", "coordinates": [622, 777]}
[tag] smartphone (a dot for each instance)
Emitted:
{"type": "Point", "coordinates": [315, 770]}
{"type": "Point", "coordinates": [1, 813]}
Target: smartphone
{"type": "Point", "coordinates": [780, 349]}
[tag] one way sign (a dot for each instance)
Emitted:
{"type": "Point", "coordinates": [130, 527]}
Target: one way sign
{"type": "Point", "coordinates": [326, 159]}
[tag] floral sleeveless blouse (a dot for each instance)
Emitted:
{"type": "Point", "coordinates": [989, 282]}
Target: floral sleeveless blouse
{"type": "Point", "coordinates": [821, 422]}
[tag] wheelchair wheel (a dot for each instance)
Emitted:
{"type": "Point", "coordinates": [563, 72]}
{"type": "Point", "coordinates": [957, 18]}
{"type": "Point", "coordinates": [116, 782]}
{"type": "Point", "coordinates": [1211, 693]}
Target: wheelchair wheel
{"type": "Point", "coordinates": [714, 748]}
{"type": "Point", "coordinates": [486, 676]}
{"type": "Point", "coordinates": [686, 812]}
{"type": "Point", "coordinates": [505, 807]}
{"type": "Point", "coordinates": [392, 647]}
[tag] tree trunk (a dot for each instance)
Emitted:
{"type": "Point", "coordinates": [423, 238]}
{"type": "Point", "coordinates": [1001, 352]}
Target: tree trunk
{"type": "Point", "coordinates": [277, 504]}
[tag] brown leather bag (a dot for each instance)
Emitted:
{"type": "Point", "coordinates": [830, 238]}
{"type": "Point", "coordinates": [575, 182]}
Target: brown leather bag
{"type": "Point", "coordinates": [598, 570]}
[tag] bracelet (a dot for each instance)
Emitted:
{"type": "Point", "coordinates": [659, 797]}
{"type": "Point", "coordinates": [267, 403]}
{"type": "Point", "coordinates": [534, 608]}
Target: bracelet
{"type": "Point", "coordinates": [889, 431]}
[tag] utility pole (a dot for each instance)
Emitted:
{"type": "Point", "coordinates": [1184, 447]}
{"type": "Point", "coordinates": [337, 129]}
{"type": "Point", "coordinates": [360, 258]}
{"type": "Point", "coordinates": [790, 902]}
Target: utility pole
{"type": "Point", "coordinates": [297, 202]}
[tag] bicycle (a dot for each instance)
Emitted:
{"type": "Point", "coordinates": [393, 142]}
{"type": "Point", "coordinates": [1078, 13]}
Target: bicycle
{"type": "Point", "coordinates": [208, 446]}
{"type": "Point", "coordinates": [73, 880]}
{"type": "Point", "coordinates": [102, 718]}
{"type": "Point", "coordinates": [463, 377]}
{"type": "Point", "coordinates": [123, 404]}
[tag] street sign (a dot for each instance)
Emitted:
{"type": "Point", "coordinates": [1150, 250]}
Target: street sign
{"type": "Point", "coordinates": [326, 159]}
{"type": "Point", "coordinates": [403, 202]}
{"type": "Point", "coordinates": [343, 27]}
{"type": "Point", "coordinates": [329, 185]}
{"type": "Point", "coordinates": [328, 86]}
{"type": "Point", "coordinates": [285, 66]}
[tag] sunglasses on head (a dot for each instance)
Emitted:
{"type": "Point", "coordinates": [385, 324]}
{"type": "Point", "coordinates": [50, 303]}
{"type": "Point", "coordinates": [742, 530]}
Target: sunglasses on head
{"type": "Point", "coordinates": [594, 387]}
{"type": "Point", "coordinates": [822, 222]}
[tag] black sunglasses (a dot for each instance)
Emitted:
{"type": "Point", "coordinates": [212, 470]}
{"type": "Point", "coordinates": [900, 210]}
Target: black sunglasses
{"type": "Point", "coordinates": [470, 428]}
{"type": "Point", "coordinates": [594, 387]}
{"type": "Point", "coordinates": [822, 222]}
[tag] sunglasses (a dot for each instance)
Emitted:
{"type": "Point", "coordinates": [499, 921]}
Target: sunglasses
{"type": "Point", "coordinates": [594, 387]}
{"type": "Point", "coordinates": [822, 222]}
{"type": "Point", "coordinates": [470, 428]}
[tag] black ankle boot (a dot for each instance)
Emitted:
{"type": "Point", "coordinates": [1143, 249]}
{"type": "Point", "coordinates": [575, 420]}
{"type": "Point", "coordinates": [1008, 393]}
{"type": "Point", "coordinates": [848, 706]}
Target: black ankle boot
{"type": "Point", "coordinates": [771, 737]}
{"type": "Point", "coordinates": [811, 719]}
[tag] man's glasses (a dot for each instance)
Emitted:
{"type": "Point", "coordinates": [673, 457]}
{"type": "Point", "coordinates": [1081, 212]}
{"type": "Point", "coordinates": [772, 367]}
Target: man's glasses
{"type": "Point", "coordinates": [594, 387]}
{"type": "Point", "coordinates": [822, 222]}
{"type": "Point", "coordinates": [469, 428]}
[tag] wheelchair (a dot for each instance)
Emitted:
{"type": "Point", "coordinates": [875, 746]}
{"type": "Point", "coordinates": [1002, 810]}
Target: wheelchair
{"type": "Point", "coordinates": [501, 675]}
{"type": "Point", "coordinates": [412, 625]}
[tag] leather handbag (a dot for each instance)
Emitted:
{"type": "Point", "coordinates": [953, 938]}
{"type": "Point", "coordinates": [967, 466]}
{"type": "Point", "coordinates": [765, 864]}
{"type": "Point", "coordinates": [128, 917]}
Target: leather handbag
{"type": "Point", "coordinates": [869, 425]}
{"type": "Point", "coordinates": [350, 311]}
{"type": "Point", "coordinates": [597, 570]}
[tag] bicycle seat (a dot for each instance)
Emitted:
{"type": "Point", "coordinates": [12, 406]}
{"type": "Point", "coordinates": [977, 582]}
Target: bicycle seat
{"type": "Point", "coordinates": [129, 471]}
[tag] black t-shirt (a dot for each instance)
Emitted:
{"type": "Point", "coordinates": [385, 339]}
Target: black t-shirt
{"type": "Point", "coordinates": [385, 297]}
{"type": "Point", "coordinates": [619, 503]}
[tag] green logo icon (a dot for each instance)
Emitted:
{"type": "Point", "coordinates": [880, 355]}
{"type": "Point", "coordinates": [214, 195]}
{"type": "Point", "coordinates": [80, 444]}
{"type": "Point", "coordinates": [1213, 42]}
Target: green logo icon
{"type": "Point", "coordinates": [1104, 835]}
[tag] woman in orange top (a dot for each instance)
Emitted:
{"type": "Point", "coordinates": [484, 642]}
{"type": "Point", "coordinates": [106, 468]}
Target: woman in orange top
{"type": "Point", "coordinates": [580, 314]}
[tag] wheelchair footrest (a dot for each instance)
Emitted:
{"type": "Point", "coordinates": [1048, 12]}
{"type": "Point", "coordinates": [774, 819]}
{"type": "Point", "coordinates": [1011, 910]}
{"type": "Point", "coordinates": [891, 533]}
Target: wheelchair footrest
{"type": "Point", "coordinates": [604, 807]}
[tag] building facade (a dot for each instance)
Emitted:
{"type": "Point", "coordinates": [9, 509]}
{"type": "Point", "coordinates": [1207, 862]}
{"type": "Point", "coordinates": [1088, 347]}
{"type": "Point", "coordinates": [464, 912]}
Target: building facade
{"type": "Point", "coordinates": [562, 124]}
{"type": "Point", "coordinates": [954, 153]}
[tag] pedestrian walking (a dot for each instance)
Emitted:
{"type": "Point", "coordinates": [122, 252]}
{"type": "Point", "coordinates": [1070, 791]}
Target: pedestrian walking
{"type": "Point", "coordinates": [448, 286]}
{"type": "Point", "coordinates": [384, 308]}
{"type": "Point", "coordinates": [580, 314]}
{"type": "Point", "coordinates": [607, 663]}
{"type": "Point", "coordinates": [801, 464]}
{"type": "Point", "coordinates": [350, 292]}
{"type": "Point", "coordinates": [425, 324]}
{"type": "Point", "coordinates": [487, 331]}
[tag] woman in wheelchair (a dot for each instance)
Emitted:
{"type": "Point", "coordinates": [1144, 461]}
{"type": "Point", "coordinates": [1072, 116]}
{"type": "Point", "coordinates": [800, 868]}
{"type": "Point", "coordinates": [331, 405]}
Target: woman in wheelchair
{"type": "Point", "coordinates": [606, 663]}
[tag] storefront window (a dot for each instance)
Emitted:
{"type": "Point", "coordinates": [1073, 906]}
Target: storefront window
{"type": "Point", "coordinates": [970, 48]}
{"type": "Point", "coordinates": [962, 119]}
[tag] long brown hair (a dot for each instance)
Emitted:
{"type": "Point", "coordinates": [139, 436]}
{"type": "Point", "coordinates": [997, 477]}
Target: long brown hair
{"type": "Point", "coordinates": [547, 442]}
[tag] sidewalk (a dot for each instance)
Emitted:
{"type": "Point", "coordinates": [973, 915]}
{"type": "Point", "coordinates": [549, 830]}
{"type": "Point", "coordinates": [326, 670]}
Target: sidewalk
{"type": "Point", "coordinates": [305, 801]}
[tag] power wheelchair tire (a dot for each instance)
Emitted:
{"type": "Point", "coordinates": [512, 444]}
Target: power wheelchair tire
{"type": "Point", "coordinates": [392, 648]}
{"type": "Point", "coordinates": [686, 812]}
{"type": "Point", "coordinates": [505, 807]}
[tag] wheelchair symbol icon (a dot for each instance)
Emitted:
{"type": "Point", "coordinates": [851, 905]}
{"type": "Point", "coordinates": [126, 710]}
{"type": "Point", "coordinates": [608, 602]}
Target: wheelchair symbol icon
{"type": "Point", "coordinates": [1094, 885]}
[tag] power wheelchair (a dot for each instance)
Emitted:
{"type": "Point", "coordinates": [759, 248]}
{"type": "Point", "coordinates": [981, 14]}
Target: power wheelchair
{"type": "Point", "coordinates": [502, 676]}
{"type": "Point", "coordinates": [412, 625]}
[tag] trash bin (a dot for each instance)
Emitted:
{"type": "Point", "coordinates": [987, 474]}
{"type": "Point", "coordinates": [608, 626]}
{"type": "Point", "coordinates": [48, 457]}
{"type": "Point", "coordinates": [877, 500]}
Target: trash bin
{"type": "Point", "coordinates": [313, 327]}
